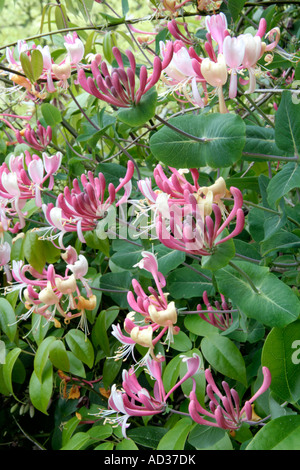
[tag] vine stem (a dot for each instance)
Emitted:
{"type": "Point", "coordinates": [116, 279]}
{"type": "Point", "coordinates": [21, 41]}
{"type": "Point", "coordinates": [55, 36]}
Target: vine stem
{"type": "Point", "coordinates": [245, 276]}
{"type": "Point", "coordinates": [185, 134]}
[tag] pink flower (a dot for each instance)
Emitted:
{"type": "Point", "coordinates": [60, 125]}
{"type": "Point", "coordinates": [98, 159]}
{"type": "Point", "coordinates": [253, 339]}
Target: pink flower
{"type": "Point", "coordinates": [234, 50]}
{"type": "Point", "coordinates": [193, 232]}
{"type": "Point", "coordinates": [38, 140]}
{"type": "Point", "coordinates": [135, 400]}
{"type": "Point", "coordinates": [80, 209]}
{"type": "Point", "coordinates": [218, 319]}
{"type": "Point", "coordinates": [5, 250]}
{"type": "Point", "coordinates": [216, 25]}
{"type": "Point", "coordinates": [225, 410]}
{"type": "Point", "coordinates": [118, 87]}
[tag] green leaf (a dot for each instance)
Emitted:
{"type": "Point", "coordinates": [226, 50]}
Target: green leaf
{"type": "Point", "coordinates": [80, 346]}
{"type": "Point", "coordinates": [176, 437]}
{"type": "Point", "coordinates": [7, 319]}
{"type": "Point", "coordinates": [40, 392]}
{"type": "Point", "coordinates": [34, 251]}
{"type": "Point", "coordinates": [282, 433]}
{"type": "Point", "coordinates": [183, 283]}
{"type": "Point", "coordinates": [280, 355]}
{"type": "Point", "coordinates": [275, 304]}
{"type": "Point", "coordinates": [139, 114]}
{"type": "Point", "coordinates": [235, 7]}
{"type": "Point", "coordinates": [284, 181]}
{"type": "Point", "coordinates": [100, 333]}
{"type": "Point", "coordinates": [110, 371]}
{"type": "Point", "coordinates": [223, 355]}
{"type": "Point", "coordinates": [126, 444]}
{"type": "Point", "coordinates": [51, 114]}
{"type": "Point", "coordinates": [223, 140]}
{"type": "Point", "coordinates": [181, 342]}
{"type": "Point", "coordinates": [260, 141]}
{"type": "Point", "coordinates": [223, 253]}
{"type": "Point", "coordinates": [58, 356]}
{"type": "Point", "coordinates": [42, 355]}
{"type": "Point", "coordinates": [10, 360]}
{"type": "Point", "coordinates": [205, 437]}
{"type": "Point", "coordinates": [26, 66]}
{"type": "Point", "coordinates": [78, 441]}
{"type": "Point", "coordinates": [114, 282]}
{"type": "Point", "coordinates": [37, 64]}
{"type": "Point", "coordinates": [198, 326]}
{"type": "Point", "coordinates": [280, 241]}
{"type": "Point", "coordinates": [147, 436]}
{"type": "Point", "coordinates": [287, 125]}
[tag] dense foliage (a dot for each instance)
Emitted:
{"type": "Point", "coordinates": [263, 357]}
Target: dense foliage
{"type": "Point", "coordinates": [150, 227]}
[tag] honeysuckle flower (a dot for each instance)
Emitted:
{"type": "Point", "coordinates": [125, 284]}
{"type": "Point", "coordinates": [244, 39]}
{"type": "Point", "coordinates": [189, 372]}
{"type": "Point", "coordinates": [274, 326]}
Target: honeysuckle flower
{"type": "Point", "coordinates": [218, 319]}
{"type": "Point", "coordinates": [48, 293]}
{"type": "Point", "coordinates": [118, 86]}
{"type": "Point", "coordinates": [80, 209]}
{"type": "Point", "coordinates": [37, 140]}
{"type": "Point", "coordinates": [225, 410]}
{"type": "Point", "coordinates": [18, 184]}
{"type": "Point", "coordinates": [135, 400]}
{"type": "Point", "coordinates": [5, 251]}
{"type": "Point", "coordinates": [180, 76]}
{"type": "Point", "coordinates": [62, 72]}
{"type": "Point", "coordinates": [216, 25]}
{"type": "Point", "coordinates": [75, 47]}
{"type": "Point", "coordinates": [197, 234]}
{"type": "Point", "coordinates": [233, 50]}
{"type": "Point", "coordinates": [215, 73]}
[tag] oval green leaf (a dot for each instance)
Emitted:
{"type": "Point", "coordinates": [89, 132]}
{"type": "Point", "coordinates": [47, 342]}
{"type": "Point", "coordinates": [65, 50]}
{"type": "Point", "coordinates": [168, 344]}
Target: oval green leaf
{"type": "Point", "coordinates": [222, 141]}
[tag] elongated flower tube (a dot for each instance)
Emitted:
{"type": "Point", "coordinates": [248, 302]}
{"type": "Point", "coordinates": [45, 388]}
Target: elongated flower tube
{"type": "Point", "coordinates": [220, 320]}
{"type": "Point", "coordinates": [215, 73]}
{"type": "Point", "coordinates": [193, 232]}
{"type": "Point", "coordinates": [158, 315]}
{"type": "Point", "coordinates": [80, 210]}
{"type": "Point", "coordinates": [118, 86]}
{"type": "Point", "coordinates": [37, 140]}
{"type": "Point", "coordinates": [234, 50]}
{"type": "Point", "coordinates": [135, 400]}
{"type": "Point", "coordinates": [216, 25]}
{"type": "Point", "coordinates": [49, 293]}
{"type": "Point", "coordinates": [225, 409]}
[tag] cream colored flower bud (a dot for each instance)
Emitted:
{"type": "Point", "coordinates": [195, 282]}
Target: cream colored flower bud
{"type": "Point", "coordinates": [47, 295]}
{"type": "Point", "coordinates": [215, 73]}
{"type": "Point", "coordinates": [163, 317]}
{"type": "Point", "coordinates": [66, 286]}
{"type": "Point", "coordinates": [62, 71]}
{"type": "Point", "coordinates": [142, 337]}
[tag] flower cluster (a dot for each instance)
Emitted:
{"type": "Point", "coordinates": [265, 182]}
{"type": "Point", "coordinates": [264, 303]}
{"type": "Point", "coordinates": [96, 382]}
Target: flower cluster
{"type": "Point", "coordinates": [188, 217]}
{"type": "Point", "coordinates": [225, 410]}
{"type": "Point", "coordinates": [155, 311]}
{"type": "Point", "coordinates": [135, 400]}
{"type": "Point", "coordinates": [48, 293]}
{"type": "Point", "coordinates": [221, 316]}
{"type": "Point", "coordinates": [22, 179]}
{"type": "Point", "coordinates": [53, 76]}
{"type": "Point", "coordinates": [118, 86]}
{"type": "Point", "coordinates": [81, 208]}
{"type": "Point", "coordinates": [232, 56]}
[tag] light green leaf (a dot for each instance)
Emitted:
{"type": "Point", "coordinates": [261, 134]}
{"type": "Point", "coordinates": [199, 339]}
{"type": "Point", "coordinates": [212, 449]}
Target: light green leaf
{"type": "Point", "coordinates": [80, 346]}
{"type": "Point", "coordinates": [280, 355]}
{"type": "Point", "coordinates": [282, 433]}
{"type": "Point", "coordinates": [275, 304]}
{"type": "Point", "coordinates": [176, 437]}
{"type": "Point", "coordinates": [223, 140]}
{"type": "Point", "coordinates": [7, 319]}
{"type": "Point", "coordinates": [223, 355]}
